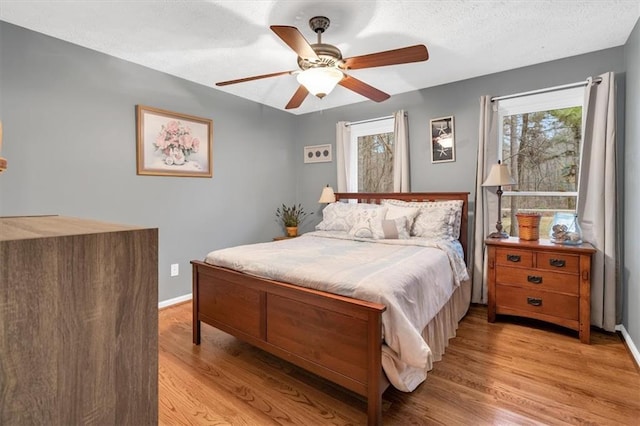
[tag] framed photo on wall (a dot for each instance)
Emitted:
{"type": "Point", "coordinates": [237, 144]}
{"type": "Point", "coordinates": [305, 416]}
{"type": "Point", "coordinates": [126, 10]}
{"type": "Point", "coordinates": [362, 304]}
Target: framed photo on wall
{"type": "Point", "coordinates": [173, 144]}
{"type": "Point", "coordinates": [317, 153]}
{"type": "Point", "coordinates": [443, 144]}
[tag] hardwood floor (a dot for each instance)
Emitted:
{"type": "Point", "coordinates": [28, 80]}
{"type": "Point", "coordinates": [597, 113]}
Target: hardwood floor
{"type": "Point", "coordinates": [503, 373]}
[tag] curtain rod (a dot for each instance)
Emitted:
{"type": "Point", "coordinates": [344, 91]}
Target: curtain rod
{"type": "Point", "coordinates": [351, 123]}
{"type": "Point", "coordinates": [548, 89]}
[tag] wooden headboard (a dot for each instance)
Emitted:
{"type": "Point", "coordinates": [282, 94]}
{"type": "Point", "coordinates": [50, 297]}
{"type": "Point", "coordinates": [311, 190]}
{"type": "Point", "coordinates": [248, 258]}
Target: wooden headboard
{"type": "Point", "coordinates": [376, 198]}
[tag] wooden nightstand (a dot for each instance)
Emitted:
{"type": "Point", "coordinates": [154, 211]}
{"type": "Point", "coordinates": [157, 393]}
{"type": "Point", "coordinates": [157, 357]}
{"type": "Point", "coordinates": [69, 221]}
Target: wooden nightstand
{"type": "Point", "coordinates": [542, 280]}
{"type": "Point", "coordinates": [283, 237]}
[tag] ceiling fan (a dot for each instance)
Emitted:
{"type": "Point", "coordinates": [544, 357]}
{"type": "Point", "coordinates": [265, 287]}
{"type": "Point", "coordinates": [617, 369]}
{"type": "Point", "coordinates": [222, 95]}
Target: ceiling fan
{"type": "Point", "coordinates": [321, 65]}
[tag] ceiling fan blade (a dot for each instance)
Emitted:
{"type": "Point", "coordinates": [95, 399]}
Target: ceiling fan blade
{"type": "Point", "coordinates": [257, 77]}
{"type": "Point", "coordinates": [297, 98]}
{"type": "Point", "coordinates": [295, 40]}
{"type": "Point", "coordinates": [404, 55]}
{"type": "Point", "coordinates": [363, 88]}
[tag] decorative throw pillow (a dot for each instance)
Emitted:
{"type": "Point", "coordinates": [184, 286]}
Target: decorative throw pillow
{"type": "Point", "coordinates": [456, 205]}
{"type": "Point", "coordinates": [390, 229]}
{"type": "Point", "coordinates": [363, 219]}
{"type": "Point", "coordinates": [394, 211]}
{"type": "Point", "coordinates": [379, 229]}
{"type": "Point", "coordinates": [342, 216]}
{"type": "Point", "coordinates": [361, 229]}
{"type": "Point", "coordinates": [435, 223]}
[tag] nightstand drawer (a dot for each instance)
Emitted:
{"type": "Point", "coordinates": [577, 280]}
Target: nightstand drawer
{"type": "Point", "coordinates": [558, 262]}
{"type": "Point", "coordinates": [538, 279]}
{"type": "Point", "coordinates": [512, 257]}
{"type": "Point", "coordinates": [541, 302]}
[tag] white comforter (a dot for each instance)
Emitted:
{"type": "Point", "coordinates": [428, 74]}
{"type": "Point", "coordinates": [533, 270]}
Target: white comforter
{"type": "Point", "coordinates": [412, 278]}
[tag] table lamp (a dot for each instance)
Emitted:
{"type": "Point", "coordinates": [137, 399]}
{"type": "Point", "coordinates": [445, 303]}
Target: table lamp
{"type": "Point", "coordinates": [327, 195]}
{"type": "Point", "coordinates": [499, 176]}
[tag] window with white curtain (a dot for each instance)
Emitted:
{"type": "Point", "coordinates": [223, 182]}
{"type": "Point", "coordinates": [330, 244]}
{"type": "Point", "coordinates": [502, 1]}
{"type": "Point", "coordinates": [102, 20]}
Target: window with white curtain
{"type": "Point", "coordinates": [371, 161]}
{"type": "Point", "coordinates": [540, 141]}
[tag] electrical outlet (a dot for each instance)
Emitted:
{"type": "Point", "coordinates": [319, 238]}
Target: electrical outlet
{"type": "Point", "coordinates": [175, 269]}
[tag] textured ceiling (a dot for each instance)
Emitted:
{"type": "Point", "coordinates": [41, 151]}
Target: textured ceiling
{"type": "Point", "coordinates": [211, 41]}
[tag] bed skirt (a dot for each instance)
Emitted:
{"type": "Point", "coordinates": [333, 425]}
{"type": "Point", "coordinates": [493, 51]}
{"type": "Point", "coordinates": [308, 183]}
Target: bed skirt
{"type": "Point", "coordinates": [443, 327]}
{"type": "Point", "coordinates": [437, 334]}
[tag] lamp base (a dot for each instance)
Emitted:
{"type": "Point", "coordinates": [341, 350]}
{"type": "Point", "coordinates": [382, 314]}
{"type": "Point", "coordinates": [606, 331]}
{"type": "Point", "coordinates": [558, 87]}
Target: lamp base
{"type": "Point", "coordinates": [498, 235]}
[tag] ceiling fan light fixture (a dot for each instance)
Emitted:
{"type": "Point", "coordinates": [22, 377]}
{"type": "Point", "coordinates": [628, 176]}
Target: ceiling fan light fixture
{"type": "Point", "coordinates": [320, 81]}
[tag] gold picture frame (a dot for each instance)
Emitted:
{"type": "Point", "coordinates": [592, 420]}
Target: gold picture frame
{"type": "Point", "coordinates": [173, 144]}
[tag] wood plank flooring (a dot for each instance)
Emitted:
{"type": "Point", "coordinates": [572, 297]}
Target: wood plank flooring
{"type": "Point", "coordinates": [510, 372]}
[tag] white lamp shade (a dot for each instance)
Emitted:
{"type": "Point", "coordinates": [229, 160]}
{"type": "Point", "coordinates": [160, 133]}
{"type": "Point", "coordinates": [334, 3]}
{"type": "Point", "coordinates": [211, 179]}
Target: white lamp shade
{"type": "Point", "coordinates": [320, 81]}
{"type": "Point", "coordinates": [499, 176]}
{"type": "Point", "coordinates": [327, 195]}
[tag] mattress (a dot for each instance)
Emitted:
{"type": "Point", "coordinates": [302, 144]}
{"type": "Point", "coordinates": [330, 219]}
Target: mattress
{"type": "Point", "coordinates": [413, 278]}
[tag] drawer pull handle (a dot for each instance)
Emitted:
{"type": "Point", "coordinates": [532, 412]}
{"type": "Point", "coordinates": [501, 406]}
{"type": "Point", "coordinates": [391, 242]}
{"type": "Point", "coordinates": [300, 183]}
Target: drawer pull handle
{"type": "Point", "coordinates": [534, 279]}
{"type": "Point", "coordinates": [513, 258]}
{"type": "Point", "coordinates": [559, 263]}
{"type": "Point", "coordinates": [534, 301]}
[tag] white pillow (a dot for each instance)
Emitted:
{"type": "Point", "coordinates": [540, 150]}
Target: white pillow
{"type": "Point", "coordinates": [379, 229]}
{"type": "Point", "coordinates": [394, 211]}
{"type": "Point", "coordinates": [435, 223]}
{"type": "Point", "coordinates": [363, 218]}
{"type": "Point", "coordinates": [342, 216]}
{"type": "Point", "coordinates": [456, 205]}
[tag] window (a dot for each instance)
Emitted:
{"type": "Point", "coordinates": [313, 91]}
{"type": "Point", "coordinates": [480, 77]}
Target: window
{"type": "Point", "coordinates": [540, 138]}
{"type": "Point", "coordinates": [371, 165]}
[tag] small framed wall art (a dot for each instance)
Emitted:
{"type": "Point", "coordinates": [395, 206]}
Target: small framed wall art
{"type": "Point", "coordinates": [173, 144]}
{"type": "Point", "coordinates": [443, 143]}
{"type": "Point", "coordinates": [317, 153]}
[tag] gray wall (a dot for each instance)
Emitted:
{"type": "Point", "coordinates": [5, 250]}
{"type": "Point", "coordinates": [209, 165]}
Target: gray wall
{"type": "Point", "coordinates": [631, 273]}
{"type": "Point", "coordinates": [68, 114]}
{"type": "Point", "coordinates": [69, 136]}
{"type": "Point", "coordinates": [461, 99]}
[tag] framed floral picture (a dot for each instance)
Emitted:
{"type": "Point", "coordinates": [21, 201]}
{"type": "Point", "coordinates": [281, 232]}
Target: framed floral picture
{"type": "Point", "coordinates": [443, 144]}
{"type": "Point", "coordinates": [172, 144]}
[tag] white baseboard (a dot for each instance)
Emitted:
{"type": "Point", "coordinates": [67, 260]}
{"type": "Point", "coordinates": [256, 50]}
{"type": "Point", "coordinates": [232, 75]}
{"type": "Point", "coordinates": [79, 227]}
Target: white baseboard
{"type": "Point", "coordinates": [632, 347]}
{"type": "Point", "coordinates": [174, 301]}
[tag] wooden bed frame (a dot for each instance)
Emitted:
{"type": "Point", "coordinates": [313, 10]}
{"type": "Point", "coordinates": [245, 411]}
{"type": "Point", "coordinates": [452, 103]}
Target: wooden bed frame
{"type": "Point", "coordinates": [337, 338]}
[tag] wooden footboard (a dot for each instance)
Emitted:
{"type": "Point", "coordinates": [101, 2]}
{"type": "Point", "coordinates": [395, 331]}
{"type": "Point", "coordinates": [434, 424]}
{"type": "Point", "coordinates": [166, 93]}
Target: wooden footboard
{"type": "Point", "coordinates": [335, 337]}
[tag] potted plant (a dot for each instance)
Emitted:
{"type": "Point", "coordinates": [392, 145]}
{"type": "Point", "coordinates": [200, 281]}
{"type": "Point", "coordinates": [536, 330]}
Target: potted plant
{"type": "Point", "coordinates": [291, 217]}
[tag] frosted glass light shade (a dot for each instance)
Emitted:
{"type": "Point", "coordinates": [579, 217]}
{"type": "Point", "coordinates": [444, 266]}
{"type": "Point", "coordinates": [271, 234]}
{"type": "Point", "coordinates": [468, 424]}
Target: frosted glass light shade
{"type": "Point", "coordinates": [327, 195]}
{"type": "Point", "coordinates": [499, 176]}
{"type": "Point", "coordinates": [320, 81]}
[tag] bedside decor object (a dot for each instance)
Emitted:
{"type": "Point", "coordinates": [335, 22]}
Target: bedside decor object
{"type": "Point", "coordinates": [327, 196]}
{"type": "Point", "coordinates": [291, 217]}
{"type": "Point", "coordinates": [317, 153]}
{"type": "Point", "coordinates": [529, 226]}
{"type": "Point", "coordinates": [498, 176]}
{"type": "Point", "coordinates": [565, 229]}
{"type": "Point", "coordinates": [443, 147]}
{"type": "Point", "coordinates": [172, 144]}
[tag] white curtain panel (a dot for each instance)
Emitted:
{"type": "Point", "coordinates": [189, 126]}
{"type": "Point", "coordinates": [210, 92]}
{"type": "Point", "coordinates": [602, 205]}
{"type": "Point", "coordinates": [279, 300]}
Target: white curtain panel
{"type": "Point", "coordinates": [597, 198]}
{"type": "Point", "coordinates": [401, 152]}
{"type": "Point", "coordinates": [486, 201]}
{"type": "Point", "coordinates": [343, 154]}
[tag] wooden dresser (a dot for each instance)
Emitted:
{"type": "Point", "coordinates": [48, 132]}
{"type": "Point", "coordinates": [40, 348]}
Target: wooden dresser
{"type": "Point", "coordinates": [542, 280]}
{"type": "Point", "coordinates": [78, 322]}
